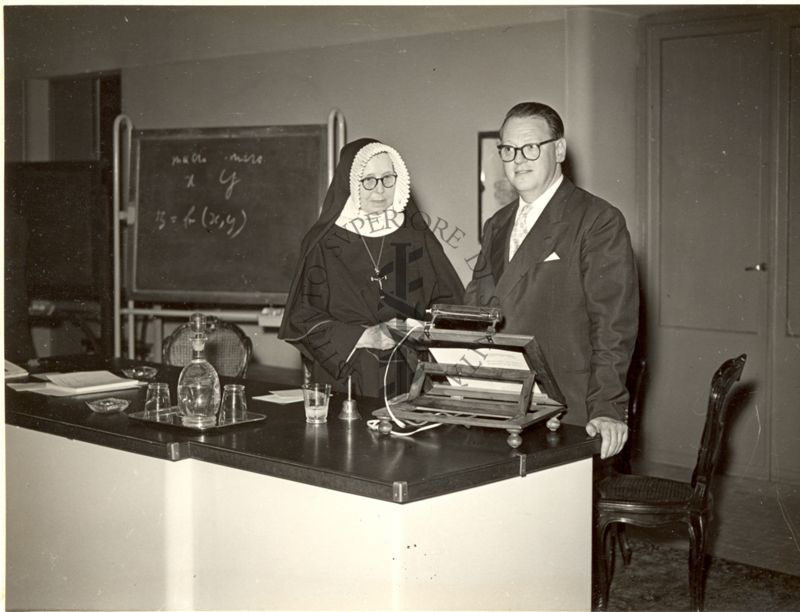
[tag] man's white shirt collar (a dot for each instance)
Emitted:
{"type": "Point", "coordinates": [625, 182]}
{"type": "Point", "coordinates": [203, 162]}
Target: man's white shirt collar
{"type": "Point", "coordinates": [538, 205]}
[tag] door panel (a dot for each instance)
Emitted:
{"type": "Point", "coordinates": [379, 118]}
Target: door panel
{"type": "Point", "coordinates": [708, 87]}
{"type": "Point", "coordinates": [710, 190]}
{"type": "Point", "coordinates": [785, 458]}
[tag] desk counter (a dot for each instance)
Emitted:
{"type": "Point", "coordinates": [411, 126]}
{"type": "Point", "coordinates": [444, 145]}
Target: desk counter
{"type": "Point", "coordinates": [338, 455]}
{"type": "Point", "coordinates": [236, 502]}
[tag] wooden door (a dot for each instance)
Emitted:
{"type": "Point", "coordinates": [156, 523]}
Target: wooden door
{"type": "Point", "coordinates": [785, 455]}
{"type": "Point", "coordinates": [709, 192]}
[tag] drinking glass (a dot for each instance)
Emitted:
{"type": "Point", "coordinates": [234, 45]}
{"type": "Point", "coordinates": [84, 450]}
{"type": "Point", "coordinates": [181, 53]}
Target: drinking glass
{"type": "Point", "coordinates": [234, 404]}
{"type": "Point", "coordinates": [157, 402]}
{"type": "Point", "coordinates": [315, 398]}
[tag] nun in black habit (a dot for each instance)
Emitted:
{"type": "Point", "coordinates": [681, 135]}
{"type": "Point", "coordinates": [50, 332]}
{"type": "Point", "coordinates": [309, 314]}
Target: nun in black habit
{"type": "Point", "coordinates": [368, 259]}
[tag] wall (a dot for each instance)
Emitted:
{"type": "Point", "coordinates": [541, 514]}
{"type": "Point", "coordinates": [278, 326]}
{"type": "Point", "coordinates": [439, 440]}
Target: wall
{"type": "Point", "coordinates": [600, 111]}
{"type": "Point", "coordinates": [426, 95]}
{"type": "Point", "coordinates": [47, 41]}
{"type": "Point", "coordinates": [419, 94]}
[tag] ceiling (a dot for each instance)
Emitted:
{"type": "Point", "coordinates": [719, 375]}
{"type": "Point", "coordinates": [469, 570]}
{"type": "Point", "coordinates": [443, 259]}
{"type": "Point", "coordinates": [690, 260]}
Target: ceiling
{"type": "Point", "coordinates": [37, 36]}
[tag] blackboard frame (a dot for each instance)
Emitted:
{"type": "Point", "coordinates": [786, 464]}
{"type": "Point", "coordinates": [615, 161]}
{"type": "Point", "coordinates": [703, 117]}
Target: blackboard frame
{"type": "Point", "coordinates": [306, 213]}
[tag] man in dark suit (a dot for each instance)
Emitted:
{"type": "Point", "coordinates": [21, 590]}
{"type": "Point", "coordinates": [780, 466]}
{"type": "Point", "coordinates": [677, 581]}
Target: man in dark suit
{"type": "Point", "coordinates": [559, 264]}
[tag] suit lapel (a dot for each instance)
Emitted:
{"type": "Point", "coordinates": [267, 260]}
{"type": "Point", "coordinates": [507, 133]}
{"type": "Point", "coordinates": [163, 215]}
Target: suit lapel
{"type": "Point", "coordinates": [539, 243]}
{"type": "Point", "coordinates": [498, 257]}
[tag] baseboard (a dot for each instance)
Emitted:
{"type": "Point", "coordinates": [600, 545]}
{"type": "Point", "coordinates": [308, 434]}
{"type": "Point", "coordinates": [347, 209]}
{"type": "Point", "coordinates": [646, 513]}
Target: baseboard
{"type": "Point", "coordinates": [736, 481]}
{"type": "Point", "coordinates": [665, 459]}
{"type": "Point", "coordinates": [787, 475]}
{"type": "Point", "coordinates": [662, 469]}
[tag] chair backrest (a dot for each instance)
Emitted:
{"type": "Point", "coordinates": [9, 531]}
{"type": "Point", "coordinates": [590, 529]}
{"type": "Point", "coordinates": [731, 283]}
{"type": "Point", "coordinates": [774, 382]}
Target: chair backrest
{"type": "Point", "coordinates": [228, 348]}
{"type": "Point", "coordinates": [635, 384]}
{"type": "Point", "coordinates": [711, 442]}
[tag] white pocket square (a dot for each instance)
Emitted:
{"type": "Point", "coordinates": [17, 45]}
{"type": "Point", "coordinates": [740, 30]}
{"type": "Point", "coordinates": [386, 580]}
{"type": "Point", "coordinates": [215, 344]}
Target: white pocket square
{"type": "Point", "coordinates": [552, 257]}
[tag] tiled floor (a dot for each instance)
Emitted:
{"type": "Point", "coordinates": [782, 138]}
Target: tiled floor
{"type": "Point", "coordinates": [756, 522]}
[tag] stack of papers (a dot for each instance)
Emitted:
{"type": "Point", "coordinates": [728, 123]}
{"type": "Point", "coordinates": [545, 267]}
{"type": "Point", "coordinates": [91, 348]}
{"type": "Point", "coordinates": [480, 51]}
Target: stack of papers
{"type": "Point", "coordinates": [476, 358]}
{"type": "Point", "coordinates": [76, 383]}
{"type": "Point", "coordinates": [285, 396]}
{"type": "Point", "coordinates": [14, 371]}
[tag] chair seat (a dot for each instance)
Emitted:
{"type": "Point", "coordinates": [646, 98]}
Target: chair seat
{"type": "Point", "coordinates": [630, 489]}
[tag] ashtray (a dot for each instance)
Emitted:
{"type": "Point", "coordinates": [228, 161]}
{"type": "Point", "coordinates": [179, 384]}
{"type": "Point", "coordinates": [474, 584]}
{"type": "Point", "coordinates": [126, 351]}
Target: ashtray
{"type": "Point", "coordinates": [107, 405]}
{"type": "Point", "coordinates": [141, 372]}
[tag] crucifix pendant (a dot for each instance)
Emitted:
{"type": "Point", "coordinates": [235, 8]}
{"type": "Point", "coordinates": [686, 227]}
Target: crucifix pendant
{"type": "Point", "coordinates": [378, 278]}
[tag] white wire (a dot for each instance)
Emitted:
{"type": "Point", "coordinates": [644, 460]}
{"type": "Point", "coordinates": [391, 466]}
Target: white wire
{"type": "Point", "coordinates": [373, 423]}
{"type": "Point", "coordinates": [313, 327]}
{"type": "Point", "coordinates": [397, 421]}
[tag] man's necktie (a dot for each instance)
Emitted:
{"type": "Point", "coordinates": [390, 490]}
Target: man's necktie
{"type": "Point", "coordinates": [519, 231]}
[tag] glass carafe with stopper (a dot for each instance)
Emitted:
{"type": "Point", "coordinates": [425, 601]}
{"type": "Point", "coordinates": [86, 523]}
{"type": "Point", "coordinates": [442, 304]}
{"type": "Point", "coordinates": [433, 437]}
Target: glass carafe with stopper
{"type": "Point", "coordinates": [198, 384]}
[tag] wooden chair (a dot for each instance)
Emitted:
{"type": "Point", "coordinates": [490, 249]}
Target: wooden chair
{"type": "Point", "coordinates": [647, 501]}
{"type": "Point", "coordinates": [622, 465]}
{"type": "Point", "coordinates": [228, 349]}
{"type": "Point", "coordinates": [635, 383]}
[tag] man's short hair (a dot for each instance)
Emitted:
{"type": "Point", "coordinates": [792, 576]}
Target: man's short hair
{"type": "Point", "coordinates": [529, 110]}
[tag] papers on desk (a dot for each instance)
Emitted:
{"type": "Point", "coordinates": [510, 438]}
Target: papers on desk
{"type": "Point", "coordinates": [76, 383]}
{"type": "Point", "coordinates": [283, 396]}
{"type": "Point", "coordinates": [14, 371]}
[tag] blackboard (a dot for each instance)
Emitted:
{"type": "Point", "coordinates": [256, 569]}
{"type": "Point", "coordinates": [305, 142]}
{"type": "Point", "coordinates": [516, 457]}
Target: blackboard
{"type": "Point", "coordinates": [220, 212]}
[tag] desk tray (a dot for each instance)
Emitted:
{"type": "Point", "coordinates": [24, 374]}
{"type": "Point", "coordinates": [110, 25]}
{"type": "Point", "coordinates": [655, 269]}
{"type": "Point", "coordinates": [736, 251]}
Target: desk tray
{"type": "Point", "coordinates": [172, 418]}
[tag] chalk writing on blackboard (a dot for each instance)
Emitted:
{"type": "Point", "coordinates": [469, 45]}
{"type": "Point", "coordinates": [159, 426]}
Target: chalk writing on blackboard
{"type": "Point", "coordinates": [231, 225]}
{"type": "Point", "coordinates": [192, 158]}
{"type": "Point", "coordinates": [221, 212]}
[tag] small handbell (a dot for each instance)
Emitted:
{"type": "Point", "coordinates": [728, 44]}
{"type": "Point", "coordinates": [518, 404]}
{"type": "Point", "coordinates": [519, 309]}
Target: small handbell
{"type": "Point", "coordinates": [349, 410]}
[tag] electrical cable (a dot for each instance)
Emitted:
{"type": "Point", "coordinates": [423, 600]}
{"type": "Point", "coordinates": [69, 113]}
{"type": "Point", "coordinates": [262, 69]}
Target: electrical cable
{"type": "Point", "coordinates": [422, 425]}
{"type": "Point", "coordinates": [313, 327]}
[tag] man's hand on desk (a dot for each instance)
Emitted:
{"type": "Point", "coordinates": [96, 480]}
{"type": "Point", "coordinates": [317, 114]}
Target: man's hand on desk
{"type": "Point", "coordinates": [614, 434]}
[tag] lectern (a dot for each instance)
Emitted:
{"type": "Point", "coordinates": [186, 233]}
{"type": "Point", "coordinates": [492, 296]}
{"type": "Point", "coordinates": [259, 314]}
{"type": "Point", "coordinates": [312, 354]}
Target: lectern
{"type": "Point", "coordinates": [473, 376]}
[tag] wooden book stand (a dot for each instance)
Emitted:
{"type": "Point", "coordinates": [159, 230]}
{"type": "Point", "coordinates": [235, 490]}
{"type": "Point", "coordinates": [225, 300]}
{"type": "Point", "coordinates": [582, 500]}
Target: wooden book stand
{"type": "Point", "coordinates": [436, 395]}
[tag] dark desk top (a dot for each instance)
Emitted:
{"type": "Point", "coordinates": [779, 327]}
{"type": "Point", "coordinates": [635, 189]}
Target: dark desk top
{"type": "Point", "coordinates": [342, 456]}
